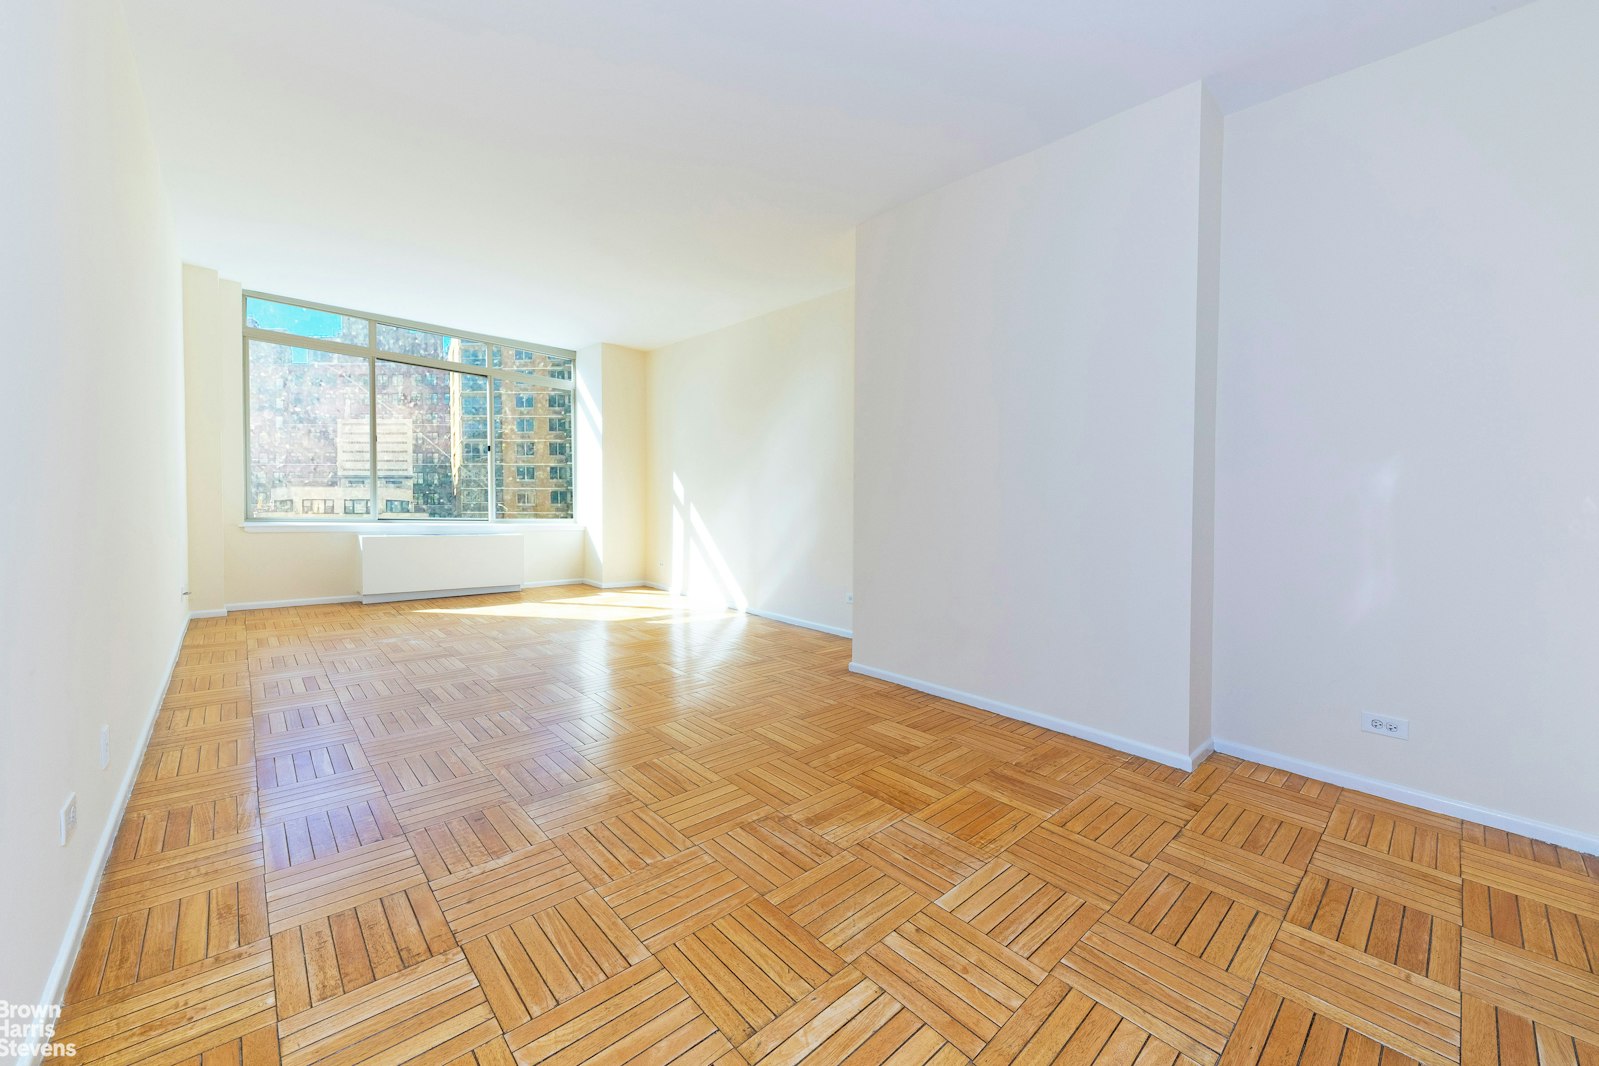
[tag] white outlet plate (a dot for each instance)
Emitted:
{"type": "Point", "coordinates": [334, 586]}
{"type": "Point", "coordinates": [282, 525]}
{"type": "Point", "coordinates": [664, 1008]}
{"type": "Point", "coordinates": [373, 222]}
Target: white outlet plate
{"type": "Point", "coordinates": [105, 746]}
{"type": "Point", "coordinates": [69, 818]}
{"type": "Point", "coordinates": [1385, 725]}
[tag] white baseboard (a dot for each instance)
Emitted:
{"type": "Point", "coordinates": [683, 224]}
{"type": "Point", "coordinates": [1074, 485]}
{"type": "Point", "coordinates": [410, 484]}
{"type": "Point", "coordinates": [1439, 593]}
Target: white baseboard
{"type": "Point", "coordinates": [553, 584]}
{"type": "Point", "coordinates": [1060, 725]}
{"type": "Point", "coordinates": [61, 971]}
{"type": "Point", "coordinates": [615, 584]}
{"type": "Point", "coordinates": [313, 601]}
{"type": "Point", "coordinates": [801, 622]}
{"type": "Point", "coordinates": [437, 594]}
{"type": "Point", "coordinates": [1415, 797]}
{"type": "Point", "coordinates": [220, 612]}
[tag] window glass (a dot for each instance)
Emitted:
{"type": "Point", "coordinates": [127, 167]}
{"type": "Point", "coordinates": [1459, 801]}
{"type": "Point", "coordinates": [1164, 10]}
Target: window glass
{"type": "Point", "coordinates": [431, 454]}
{"type": "Point", "coordinates": [465, 428]}
{"type": "Point", "coordinates": [308, 424]}
{"type": "Point", "coordinates": [532, 482]}
{"type": "Point", "coordinates": [304, 321]}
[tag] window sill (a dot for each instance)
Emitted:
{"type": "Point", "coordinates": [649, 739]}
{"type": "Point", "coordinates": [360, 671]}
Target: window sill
{"type": "Point", "coordinates": [401, 527]}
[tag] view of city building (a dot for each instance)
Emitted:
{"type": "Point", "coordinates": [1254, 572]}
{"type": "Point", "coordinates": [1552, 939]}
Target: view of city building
{"type": "Point", "coordinates": [460, 422]}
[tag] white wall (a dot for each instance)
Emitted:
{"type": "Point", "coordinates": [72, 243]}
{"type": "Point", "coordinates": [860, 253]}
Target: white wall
{"type": "Point", "coordinates": [609, 463]}
{"type": "Point", "coordinates": [750, 463]}
{"type": "Point", "coordinates": [1408, 454]}
{"type": "Point", "coordinates": [1027, 351]}
{"type": "Point", "coordinates": [92, 546]}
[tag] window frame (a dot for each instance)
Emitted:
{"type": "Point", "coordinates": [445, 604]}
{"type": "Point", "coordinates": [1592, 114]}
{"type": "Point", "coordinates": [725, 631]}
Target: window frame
{"type": "Point", "coordinates": [373, 355]}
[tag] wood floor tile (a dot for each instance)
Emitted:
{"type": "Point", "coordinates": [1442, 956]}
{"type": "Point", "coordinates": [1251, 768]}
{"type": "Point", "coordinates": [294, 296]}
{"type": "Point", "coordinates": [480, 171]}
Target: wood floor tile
{"type": "Point", "coordinates": [770, 852]}
{"type": "Point", "coordinates": [1408, 937]}
{"type": "Point", "coordinates": [314, 889]}
{"type": "Point", "coordinates": [1396, 1008]}
{"type": "Point", "coordinates": [349, 949]}
{"type": "Point", "coordinates": [1058, 1023]}
{"type": "Point", "coordinates": [620, 845]}
{"type": "Point", "coordinates": [177, 1016]}
{"type": "Point", "coordinates": [849, 1020]}
{"type": "Point", "coordinates": [473, 839]}
{"type": "Point", "coordinates": [847, 904]}
{"type": "Point", "coordinates": [951, 976]}
{"type": "Point", "coordinates": [920, 857]}
{"type": "Point", "coordinates": [580, 806]}
{"type": "Point", "coordinates": [1250, 878]}
{"type": "Point", "coordinates": [1275, 1030]}
{"type": "Point", "coordinates": [980, 820]}
{"type": "Point", "coordinates": [843, 814]}
{"type": "Point", "coordinates": [433, 1012]}
{"type": "Point", "coordinates": [1530, 985]}
{"type": "Point", "coordinates": [485, 898]}
{"type": "Point", "coordinates": [780, 781]}
{"type": "Point", "coordinates": [542, 960]}
{"type": "Point", "coordinates": [641, 1015]}
{"type": "Point", "coordinates": [1021, 911]}
{"type": "Point", "coordinates": [1495, 1034]}
{"type": "Point", "coordinates": [710, 810]}
{"type": "Point", "coordinates": [1240, 826]}
{"type": "Point", "coordinates": [1085, 868]}
{"type": "Point", "coordinates": [319, 834]}
{"type": "Point", "coordinates": [672, 898]}
{"type": "Point", "coordinates": [1411, 884]}
{"type": "Point", "coordinates": [747, 968]}
{"type": "Point", "coordinates": [545, 826]}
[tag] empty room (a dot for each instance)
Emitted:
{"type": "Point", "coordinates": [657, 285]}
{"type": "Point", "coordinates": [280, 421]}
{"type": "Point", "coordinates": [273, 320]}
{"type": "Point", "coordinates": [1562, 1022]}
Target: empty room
{"type": "Point", "coordinates": [555, 533]}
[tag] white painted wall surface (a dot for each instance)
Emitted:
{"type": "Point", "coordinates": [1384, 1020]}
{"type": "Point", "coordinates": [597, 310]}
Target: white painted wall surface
{"type": "Point", "coordinates": [92, 553]}
{"type": "Point", "coordinates": [750, 463]}
{"type": "Point", "coordinates": [1025, 429]}
{"type": "Point", "coordinates": [1408, 455]}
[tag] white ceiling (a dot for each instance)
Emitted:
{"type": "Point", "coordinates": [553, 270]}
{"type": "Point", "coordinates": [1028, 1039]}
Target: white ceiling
{"type": "Point", "coordinates": [638, 171]}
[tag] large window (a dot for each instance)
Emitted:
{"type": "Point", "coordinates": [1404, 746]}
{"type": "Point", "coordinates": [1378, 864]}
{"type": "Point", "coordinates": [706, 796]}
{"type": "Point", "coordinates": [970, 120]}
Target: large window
{"type": "Point", "coordinates": [353, 417]}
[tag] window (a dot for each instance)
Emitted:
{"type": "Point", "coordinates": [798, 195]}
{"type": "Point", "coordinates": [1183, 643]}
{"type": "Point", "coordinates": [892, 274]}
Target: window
{"type": "Point", "coordinates": [351, 415]}
{"type": "Point", "coordinates": [560, 497]}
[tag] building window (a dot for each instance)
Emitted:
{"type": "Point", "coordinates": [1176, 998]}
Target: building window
{"type": "Point", "coordinates": [560, 497]}
{"type": "Point", "coordinates": [444, 401]}
{"type": "Point", "coordinates": [561, 473]}
{"type": "Point", "coordinates": [560, 425]}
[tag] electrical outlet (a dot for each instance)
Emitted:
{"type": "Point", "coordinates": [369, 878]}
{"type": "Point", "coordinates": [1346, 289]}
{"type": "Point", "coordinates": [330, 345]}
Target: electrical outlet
{"type": "Point", "coordinates": [69, 818]}
{"type": "Point", "coordinates": [1385, 726]}
{"type": "Point", "coordinates": [105, 746]}
{"type": "Point", "coordinates": [849, 597]}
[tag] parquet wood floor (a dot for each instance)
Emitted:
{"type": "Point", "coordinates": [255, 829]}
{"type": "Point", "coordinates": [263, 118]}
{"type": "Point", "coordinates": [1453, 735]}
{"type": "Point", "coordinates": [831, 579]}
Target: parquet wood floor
{"type": "Point", "coordinates": [572, 827]}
